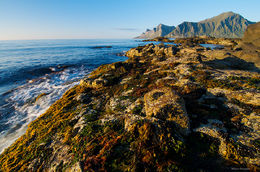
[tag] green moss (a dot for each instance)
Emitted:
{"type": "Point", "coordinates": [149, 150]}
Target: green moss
{"type": "Point", "coordinates": [138, 110]}
{"type": "Point", "coordinates": [250, 82]}
{"type": "Point", "coordinates": [91, 117]}
{"type": "Point", "coordinates": [256, 143]}
{"type": "Point", "coordinates": [120, 107]}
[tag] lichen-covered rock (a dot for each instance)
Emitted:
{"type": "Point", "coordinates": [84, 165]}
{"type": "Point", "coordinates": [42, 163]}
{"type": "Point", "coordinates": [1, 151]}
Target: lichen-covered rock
{"type": "Point", "coordinates": [170, 51]}
{"type": "Point", "coordinates": [131, 120]}
{"type": "Point", "coordinates": [97, 83]}
{"type": "Point", "coordinates": [134, 52]}
{"type": "Point", "coordinates": [216, 129]}
{"type": "Point", "coordinates": [152, 50]}
{"type": "Point", "coordinates": [252, 35]}
{"type": "Point", "coordinates": [166, 104]}
{"type": "Point", "coordinates": [75, 168]}
{"type": "Point", "coordinates": [247, 97]}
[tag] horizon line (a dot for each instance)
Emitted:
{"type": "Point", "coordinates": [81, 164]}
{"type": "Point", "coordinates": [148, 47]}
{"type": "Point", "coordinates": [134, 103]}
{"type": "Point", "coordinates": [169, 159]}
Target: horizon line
{"type": "Point", "coordinates": [59, 39]}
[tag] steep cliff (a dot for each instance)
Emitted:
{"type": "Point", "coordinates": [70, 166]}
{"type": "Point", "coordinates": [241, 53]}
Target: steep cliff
{"type": "Point", "coordinates": [160, 30]}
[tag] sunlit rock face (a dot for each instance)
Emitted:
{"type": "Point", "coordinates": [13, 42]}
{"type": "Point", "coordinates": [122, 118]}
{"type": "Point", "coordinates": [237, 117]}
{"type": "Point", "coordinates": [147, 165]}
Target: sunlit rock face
{"type": "Point", "coordinates": [166, 104]}
{"type": "Point", "coordinates": [252, 35]}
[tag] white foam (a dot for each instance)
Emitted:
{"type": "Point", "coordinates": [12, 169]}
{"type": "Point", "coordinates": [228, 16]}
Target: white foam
{"type": "Point", "coordinates": [26, 109]}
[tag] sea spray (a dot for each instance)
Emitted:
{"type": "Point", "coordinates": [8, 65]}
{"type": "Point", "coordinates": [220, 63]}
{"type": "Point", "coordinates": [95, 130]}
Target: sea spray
{"type": "Point", "coordinates": [25, 104]}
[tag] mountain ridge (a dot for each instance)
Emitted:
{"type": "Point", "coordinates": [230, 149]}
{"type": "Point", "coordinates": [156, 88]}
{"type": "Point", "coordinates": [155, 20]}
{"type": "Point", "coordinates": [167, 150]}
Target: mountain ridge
{"type": "Point", "coordinates": [227, 25]}
{"type": "Point", "coordinates": [160, 30]}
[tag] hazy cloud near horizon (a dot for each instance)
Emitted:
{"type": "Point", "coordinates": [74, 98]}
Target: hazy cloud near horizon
{"type": "Point", "coordinates": [128, 29]}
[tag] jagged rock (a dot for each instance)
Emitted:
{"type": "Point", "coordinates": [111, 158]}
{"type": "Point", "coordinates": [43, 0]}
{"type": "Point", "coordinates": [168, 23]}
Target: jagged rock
{"type": "Point", "coordinates": [251, 121]}
{"type": "Point", "coordinates": [183, 70]}
{"type": "Point", "coordinates": [116, 104]}
{"type": "Point", "coordinates": [250, 45]}
{"type": "Point", "coordinates": [84, 98]}
{"type": "Point", "coordinates": [75, 168]}
{"type": "Point", "coordinates": [134, 52]}
{"type": "Point", "coordinates": [170, 51]}
{"type": "Point", "coordinates": [137, 105]}
{"type": "Point", "coordinates": [252, 98]}
{"type": "Point", "coordinates": [130, 120]}
{"type": "Point", "coordinates": [166, 104]}
{"type": "Point", "coordinates": [228, 148]}
{"type": "Point", "coordinates": [152, 50]}
{"type": "Point", "coordinates": [86, 82]}
{"type": "Point", "coordinates": [215, 128]}
{"type": "Point", "coordinates": [252, 35]}
{"type": "Point", "coordinates": [158, 39]}
{"type": "Point", "coordinates": [97, 83]}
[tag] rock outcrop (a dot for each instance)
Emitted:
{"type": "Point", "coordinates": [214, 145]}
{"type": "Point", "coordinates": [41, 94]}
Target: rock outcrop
{"type": "Point", "coordinates": [165, 104]}
{"type": "Point", "coordinates": [166, 108]}
{"type": "Point", "coordinates": [249, 48]}
{"type": "Point", "coordinates": [252, 35]}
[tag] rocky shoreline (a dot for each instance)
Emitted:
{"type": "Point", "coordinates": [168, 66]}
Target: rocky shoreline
{"type": "Point", "coordinates": [247, 48]}
{"type": "Point", "coordinates": [167, 108]}
{"type": "Point", "coordinates": [195, 41]}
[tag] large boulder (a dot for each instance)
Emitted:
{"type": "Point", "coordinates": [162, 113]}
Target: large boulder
{"type": "Point", "coordinates": [166, 104]}
{"type": "Point", "coordinates": [252, 35]}
{"type": "Point", "coordinates": [250, 45]}
{"type": "Point", "coordinates": [152, 50]}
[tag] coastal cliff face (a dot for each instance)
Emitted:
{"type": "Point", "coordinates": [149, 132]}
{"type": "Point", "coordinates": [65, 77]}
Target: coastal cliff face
{"type": "Point", "coordinates": [228, 25]}
{"type": "Point", "coordinates": [167, 108]}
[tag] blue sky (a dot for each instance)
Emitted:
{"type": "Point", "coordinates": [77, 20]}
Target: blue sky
{"type": "Point", "coordinates": [90, 19]}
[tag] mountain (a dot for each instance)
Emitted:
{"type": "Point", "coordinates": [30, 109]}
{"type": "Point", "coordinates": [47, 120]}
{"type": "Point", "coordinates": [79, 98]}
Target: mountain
{"type": "Point", "coordinates": [228, 25]}
{"type": "Point", "coordinates": [160, 30]}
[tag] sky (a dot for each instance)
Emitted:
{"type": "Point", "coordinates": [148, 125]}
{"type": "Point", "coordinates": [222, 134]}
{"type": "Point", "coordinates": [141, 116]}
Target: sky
{"type": "Point", "coordinates": [105, 19]}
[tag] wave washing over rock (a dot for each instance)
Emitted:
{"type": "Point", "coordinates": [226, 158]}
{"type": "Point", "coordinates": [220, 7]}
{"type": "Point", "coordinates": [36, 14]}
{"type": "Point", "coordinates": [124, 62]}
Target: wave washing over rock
{"type": "Point", "coordinates": [166, 108]}
{"type": "Point", "coordinates": [27, 102]}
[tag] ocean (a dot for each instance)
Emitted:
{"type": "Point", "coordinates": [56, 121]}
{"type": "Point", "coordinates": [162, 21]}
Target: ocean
{"type": "Point", "coordinates": [29, 68]}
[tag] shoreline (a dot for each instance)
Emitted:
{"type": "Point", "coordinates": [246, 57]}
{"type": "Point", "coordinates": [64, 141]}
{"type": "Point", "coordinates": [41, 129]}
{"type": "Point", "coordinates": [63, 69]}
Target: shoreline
{"type": "Point", "coordinates": [19, 103]}
{"type": "Point", "coordinates": [155, 108]}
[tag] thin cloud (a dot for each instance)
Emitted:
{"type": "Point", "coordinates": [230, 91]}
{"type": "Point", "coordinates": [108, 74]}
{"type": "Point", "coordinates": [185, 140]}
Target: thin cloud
{"type": "Point", "coordinates": [127, 29]}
